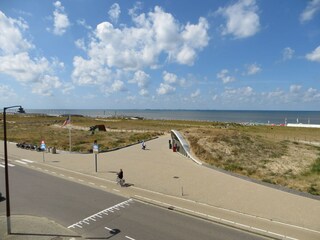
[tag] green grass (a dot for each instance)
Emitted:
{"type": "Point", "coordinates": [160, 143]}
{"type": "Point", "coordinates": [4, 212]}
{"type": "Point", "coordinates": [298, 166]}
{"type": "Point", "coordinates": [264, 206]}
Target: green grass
{"type": "Point", "coordinates": [247, 150]}
{"type": "Point", "coordinates": [315, 168]}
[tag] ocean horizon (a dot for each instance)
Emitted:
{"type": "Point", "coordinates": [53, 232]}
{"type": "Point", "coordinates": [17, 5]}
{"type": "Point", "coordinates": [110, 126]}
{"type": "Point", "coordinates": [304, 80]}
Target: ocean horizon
{"type": "Point", "coordinates": [236, 116]}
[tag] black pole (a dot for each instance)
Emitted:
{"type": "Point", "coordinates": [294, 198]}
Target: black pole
{"type": "Point", "coordinates": [6, 172]}
{"type": "Point", "coordinates": [6, 166]}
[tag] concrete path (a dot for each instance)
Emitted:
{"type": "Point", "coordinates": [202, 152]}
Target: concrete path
{"type": "Point", "coordinates": [159, 176]}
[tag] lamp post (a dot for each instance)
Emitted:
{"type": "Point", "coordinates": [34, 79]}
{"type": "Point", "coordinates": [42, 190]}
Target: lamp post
{"type": "Point", "coordinates": [6, 165]}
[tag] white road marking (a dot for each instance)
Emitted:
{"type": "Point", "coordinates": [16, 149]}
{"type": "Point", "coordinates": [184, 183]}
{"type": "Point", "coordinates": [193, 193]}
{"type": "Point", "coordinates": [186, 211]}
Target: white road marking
{"type": "Point", "coordinates": [94, 216]}
{"type": "Point", "coordinates": [223, 220]}
{"type": "Point", "coordinates": [9, 164]}
{"type": "Point", "coordinates": [26, 160]}
{"type": "Point", "coordinates": [130, 238]}
{"type": "Point", "coordinates": [108, 229]}
{"type": "Point", "coordinates": [21, 162]}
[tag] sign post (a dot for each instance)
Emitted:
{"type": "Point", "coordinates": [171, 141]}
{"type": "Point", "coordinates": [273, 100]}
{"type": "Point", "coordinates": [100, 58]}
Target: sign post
{"type": "Point", "coordinates": [95, 150]}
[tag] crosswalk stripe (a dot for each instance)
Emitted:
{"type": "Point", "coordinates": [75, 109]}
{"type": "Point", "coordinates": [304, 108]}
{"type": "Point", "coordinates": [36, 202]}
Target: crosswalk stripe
{"type": "Point", "coordinates": [9, 164]}
{"type": "Point", "coordinates": [21, 162]}
{"type": "Point", "coordinates": [26, 160]}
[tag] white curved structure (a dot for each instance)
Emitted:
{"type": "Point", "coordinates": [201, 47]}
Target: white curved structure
{"type": "Point", "coordinates": [178, 139]}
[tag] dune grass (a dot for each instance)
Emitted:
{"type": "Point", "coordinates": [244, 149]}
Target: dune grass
{"type": "Point", "coordinates": [278, 155]}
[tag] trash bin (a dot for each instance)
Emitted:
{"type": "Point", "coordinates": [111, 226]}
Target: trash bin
{"type": "Point", "coordinates": [54, 151]}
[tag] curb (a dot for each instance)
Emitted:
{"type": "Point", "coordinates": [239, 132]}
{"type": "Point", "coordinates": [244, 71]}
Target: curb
{"type": "Point", "coordinates": [206, 217]}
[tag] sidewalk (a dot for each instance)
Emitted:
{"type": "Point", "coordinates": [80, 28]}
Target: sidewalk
{"type": "Point", "coordinates": [32, 228]}
{"type": "Point", "coordinates": [159, 176]}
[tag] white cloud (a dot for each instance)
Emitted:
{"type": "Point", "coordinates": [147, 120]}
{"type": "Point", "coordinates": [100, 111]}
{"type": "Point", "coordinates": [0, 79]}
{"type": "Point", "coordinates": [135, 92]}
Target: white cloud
{"type": "Point", "coordinates": [242, 19]}
{"type": "Point", "coordinates": [170, 82]}
{"type": "Point", "coordinates": [22, 68]}
{"type": "Point", "coordinates": [287, 53]}
{"type": "Point", "coordinates": [173, 79]}
{"type": "Point", "coordinates": [83, 23]}
{"type": "Point", "coordinates": [67, 88]}
{"type": "Point", "coordinates": [154, 34]}
{"type": "Point", "coordinates": [11, 38]}
{"type": "Point", "coordinates": [311, 95]}
{"type": "Point", "coordinates": [117, 86]}
{"type": "Point", "coordinates": [170, 78]}
{"type": "Point", "coordinates": [89, 72]}
{"type": "Point", "coordinates": [141, 79]}
{"type": "Point", "coordinates": [80, 44]}
{"type": "Point", "coordinates": [310, 11]}
{"type": "Point", "coordinates": [6, 92]}
{"type": "Point", "coordinates": [295, 88]}
{"type": "Point", "coordinates": [165, 89]}
{"type": "Point", "coordinates": [114, 12]}
{"type": "Point", "coordinates": [144, 92]}
{"type": "Point", "coordinates": [195, 94]}
{"type": "Point", "coordinates": [238, 96]}
{"type": "Point", "coordinates": [16, 62]}
{"type": "Point", "coordinates": [253, 69]}
{"type": "Point", "coordinates": [46, 85]}
{"type": "Point", "coordinates": [60, 19]}
{"type": "Point", "coordinates": [225, 77]}
{"type": "Point", "coordinates": [314, 56]}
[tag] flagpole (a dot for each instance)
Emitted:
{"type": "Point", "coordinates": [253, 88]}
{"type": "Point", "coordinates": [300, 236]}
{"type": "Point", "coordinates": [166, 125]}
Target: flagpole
{"type": "Point", "coordinates": [69, 133]}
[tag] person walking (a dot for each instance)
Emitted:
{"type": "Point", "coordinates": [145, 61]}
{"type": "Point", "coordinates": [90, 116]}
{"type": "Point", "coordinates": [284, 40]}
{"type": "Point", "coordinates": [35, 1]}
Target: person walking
{"type": "Point", "coordinates": [120, 178]}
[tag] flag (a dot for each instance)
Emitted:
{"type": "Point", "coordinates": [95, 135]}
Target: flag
{"type": "Point", "coordinates": [67, 121]}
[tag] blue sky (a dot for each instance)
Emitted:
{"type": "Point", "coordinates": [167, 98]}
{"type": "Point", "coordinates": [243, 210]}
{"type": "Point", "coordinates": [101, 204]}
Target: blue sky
{"type": "Point", "coordinates": [91, 54]}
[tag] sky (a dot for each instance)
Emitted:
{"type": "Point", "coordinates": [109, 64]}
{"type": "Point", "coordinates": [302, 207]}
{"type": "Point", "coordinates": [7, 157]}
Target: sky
{"type": "Point", "coordinates": [208, 54]}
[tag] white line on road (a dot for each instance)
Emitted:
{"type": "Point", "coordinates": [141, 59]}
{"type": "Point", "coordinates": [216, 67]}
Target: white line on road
{"type": "Point", "coordinates": [26, 160]}
{"type": "Point", "coordinates": [21, 162]}
{"type": "Point", "coordinates": [130, 238]}
{"type": "Point", "coordinates": [92, 217]}
{"type": "Point", "coordinates": [9, 164]}
{"type": "Point", "coordinates": [222, 219]}
{"type": "Point", "coordinates": [110, 229]}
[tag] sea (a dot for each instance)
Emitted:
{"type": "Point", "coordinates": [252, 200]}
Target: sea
{"type": "Point", "coordinates": [227, 116]}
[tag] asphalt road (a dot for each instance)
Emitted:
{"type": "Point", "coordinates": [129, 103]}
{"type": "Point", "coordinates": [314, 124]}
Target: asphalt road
{"type": "Point", "coordinates": [96, 214]}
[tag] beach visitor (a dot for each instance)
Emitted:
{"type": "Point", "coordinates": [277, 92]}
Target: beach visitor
{"type": "Point", "coordinates": [120, 174]}
{"type": "Point", "coordinates": [143, 145]}
{"type": "Point", "coordinates": [120, 179]}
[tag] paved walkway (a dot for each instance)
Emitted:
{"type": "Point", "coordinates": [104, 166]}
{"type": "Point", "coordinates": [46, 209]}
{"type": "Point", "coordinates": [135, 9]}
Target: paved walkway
{"type": "Point", "coordinates": [159, 176]}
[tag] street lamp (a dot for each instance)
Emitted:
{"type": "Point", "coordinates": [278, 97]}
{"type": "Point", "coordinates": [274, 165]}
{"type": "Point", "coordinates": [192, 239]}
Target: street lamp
{"type": "Point", "coordinates": [6, 164]}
